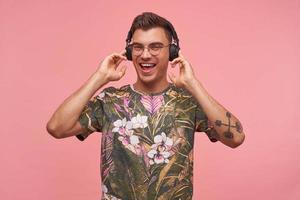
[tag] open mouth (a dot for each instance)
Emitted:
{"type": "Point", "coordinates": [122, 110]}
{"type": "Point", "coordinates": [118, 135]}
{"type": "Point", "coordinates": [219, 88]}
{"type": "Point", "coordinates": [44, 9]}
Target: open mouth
{"type": "Point", "coordinates": [147, 66]}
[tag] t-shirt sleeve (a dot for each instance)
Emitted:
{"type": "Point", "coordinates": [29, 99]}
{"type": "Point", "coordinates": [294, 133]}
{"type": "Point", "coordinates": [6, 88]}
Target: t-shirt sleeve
{"type": "Point", "coordinates": [91, 118]}
{"type": "Point", "coordinates": [202, 124]}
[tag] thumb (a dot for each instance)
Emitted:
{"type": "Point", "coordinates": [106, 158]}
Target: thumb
{"type": "Point", "coordinates": [122, 71]}
{"type": "Point", "coordinates": [172, 77]}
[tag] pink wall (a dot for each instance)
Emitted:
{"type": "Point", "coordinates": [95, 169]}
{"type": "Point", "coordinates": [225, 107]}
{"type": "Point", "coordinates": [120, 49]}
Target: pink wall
{"type": "Point", "coordinates": [246, 53]}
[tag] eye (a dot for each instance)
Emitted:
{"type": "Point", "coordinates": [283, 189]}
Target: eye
{"type": "Point", "coordinates": [155, 47]}
{"type": "Point", "coordinates": [137, 47]}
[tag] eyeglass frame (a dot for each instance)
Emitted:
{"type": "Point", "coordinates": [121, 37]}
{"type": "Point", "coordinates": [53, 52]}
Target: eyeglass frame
{"type": "Point", "coordinates": [148, 48]}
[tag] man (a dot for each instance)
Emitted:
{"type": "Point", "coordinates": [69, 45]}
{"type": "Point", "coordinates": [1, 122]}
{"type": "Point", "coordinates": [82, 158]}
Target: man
{"type": "Point", "coordinates": [147, 127]}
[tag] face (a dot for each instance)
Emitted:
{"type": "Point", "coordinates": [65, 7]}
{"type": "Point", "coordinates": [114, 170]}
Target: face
{"type": "Point", "coordinates": [157, 72]}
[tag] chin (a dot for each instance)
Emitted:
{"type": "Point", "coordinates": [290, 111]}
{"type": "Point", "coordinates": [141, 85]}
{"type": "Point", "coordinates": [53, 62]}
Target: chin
{"type": "Point", "coordinates": [147, 79]}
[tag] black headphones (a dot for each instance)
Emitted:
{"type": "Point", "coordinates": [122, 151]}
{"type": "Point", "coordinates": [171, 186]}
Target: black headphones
{"type": "Point", "coordinates": [173, 48]}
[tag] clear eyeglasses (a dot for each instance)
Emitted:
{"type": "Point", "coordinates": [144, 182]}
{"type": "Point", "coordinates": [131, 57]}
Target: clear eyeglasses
{"type": "Point", "coordinates": [154, 48]}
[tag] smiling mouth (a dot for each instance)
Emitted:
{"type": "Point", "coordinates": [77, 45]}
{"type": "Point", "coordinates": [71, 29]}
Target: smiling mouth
{"type": "Point", "coordinates": [147, 66]}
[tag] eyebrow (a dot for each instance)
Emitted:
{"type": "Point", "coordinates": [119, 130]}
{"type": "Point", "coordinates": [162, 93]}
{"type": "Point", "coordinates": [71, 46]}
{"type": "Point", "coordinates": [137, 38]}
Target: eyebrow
{"type": "Point", "coordinates": [149, 44]}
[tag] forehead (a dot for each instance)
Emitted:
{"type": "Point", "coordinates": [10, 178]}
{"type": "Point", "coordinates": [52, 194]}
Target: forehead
{"type": "Point", "coordinates": [156, 34]}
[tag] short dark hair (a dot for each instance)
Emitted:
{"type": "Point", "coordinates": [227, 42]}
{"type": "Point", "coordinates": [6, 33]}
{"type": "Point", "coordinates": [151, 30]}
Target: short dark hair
{"type": "Point", "coordinates": [148, 20]}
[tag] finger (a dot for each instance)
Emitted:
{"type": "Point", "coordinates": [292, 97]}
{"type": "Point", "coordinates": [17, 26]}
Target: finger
{"type": "Point", "coordinates": [180, 54]}
{"type": "Point", "coordinates": [179, 61]}
{"type": "Point", "coordinates": [175, 61]}
{"type": "Point", "coordinates": [123, 52]}
{"type": "Point", "coordinates": [120, 55]}
{"type": "Point", "coordinates": [172, 77]}
{"type": "Point", "coordinates": [117, 57]}
{"type": "Point", "coordinates": [117, 61]}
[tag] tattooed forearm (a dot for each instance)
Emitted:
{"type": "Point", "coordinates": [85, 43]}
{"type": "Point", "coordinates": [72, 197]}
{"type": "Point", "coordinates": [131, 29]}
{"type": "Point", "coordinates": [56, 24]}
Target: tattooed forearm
{"type": "Point", "coordinates": [226, 127]}
{"type": "Point", "coordinates": [228, 133]}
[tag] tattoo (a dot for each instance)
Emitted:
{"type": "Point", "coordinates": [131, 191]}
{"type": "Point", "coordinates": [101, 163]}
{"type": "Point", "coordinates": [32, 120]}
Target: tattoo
{"type": "Point", "coordinates": [228, 134]}
{"type": "Point", "coordinates": [213, 134]}
{"type": "Point", "coordinates": [239, 127]}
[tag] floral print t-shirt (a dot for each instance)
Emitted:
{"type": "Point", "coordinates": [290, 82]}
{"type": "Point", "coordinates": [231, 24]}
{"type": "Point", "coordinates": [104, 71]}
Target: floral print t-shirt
{"type": "Point", "coordinates": [147, 141]}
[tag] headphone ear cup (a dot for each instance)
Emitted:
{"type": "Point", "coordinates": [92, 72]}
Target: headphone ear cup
{"type": "Point", "coordinates": [128, 53]}
{"type": "Point", "coordinates": [173, 49]}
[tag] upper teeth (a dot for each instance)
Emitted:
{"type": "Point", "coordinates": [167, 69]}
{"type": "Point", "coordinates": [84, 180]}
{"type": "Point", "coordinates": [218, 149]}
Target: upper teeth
{"type": "Point", "coordinates": [147, 64]}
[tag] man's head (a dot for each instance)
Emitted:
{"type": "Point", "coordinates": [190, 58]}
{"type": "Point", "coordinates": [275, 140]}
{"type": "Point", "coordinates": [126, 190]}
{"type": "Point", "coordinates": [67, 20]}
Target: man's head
{"type": "Point", "coordinates": [148, 42]}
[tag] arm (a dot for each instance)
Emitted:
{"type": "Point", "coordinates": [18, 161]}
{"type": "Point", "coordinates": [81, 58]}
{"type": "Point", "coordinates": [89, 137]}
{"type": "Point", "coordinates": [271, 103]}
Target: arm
{"type": "Point", "coordinates": [227, 128]}
{"type": "Point", "coordinates": [64, 121]}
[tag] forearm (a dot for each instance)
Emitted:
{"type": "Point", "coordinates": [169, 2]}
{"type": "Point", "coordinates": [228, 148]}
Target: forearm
{"type": "Point", "coordinates": [67, 114]}
{"type": "Point", "coordinates": [228, 128]}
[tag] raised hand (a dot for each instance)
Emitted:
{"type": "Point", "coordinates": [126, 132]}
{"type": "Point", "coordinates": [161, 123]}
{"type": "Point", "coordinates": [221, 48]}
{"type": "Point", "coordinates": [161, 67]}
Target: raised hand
{"type": "Point", "coordinates": [109, 68]}
{"type": "Point", "coordinates": [186, 74]}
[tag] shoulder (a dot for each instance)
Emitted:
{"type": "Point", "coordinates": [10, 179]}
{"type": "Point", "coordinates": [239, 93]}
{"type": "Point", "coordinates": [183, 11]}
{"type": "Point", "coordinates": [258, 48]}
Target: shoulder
{"type": "Point", "coordinates": [181, 93]}
{"type": "Point", "coordinates": [184, 99]}
{"type": "Point", "coordinates": [113, 89]}
{"type": "Point", "coordinates": [112, 92]}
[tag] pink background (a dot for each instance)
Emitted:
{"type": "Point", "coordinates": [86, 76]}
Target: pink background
{"type": "Point", "coordinates": [246, 54]}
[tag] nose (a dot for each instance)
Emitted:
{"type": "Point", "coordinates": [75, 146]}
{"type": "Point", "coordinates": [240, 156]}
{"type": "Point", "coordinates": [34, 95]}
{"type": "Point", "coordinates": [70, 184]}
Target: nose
{"type": "Point", "coordinates": [146, 53]}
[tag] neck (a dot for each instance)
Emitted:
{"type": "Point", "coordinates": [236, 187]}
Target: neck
{"type": "Point", "coordinates": [151, 87]}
